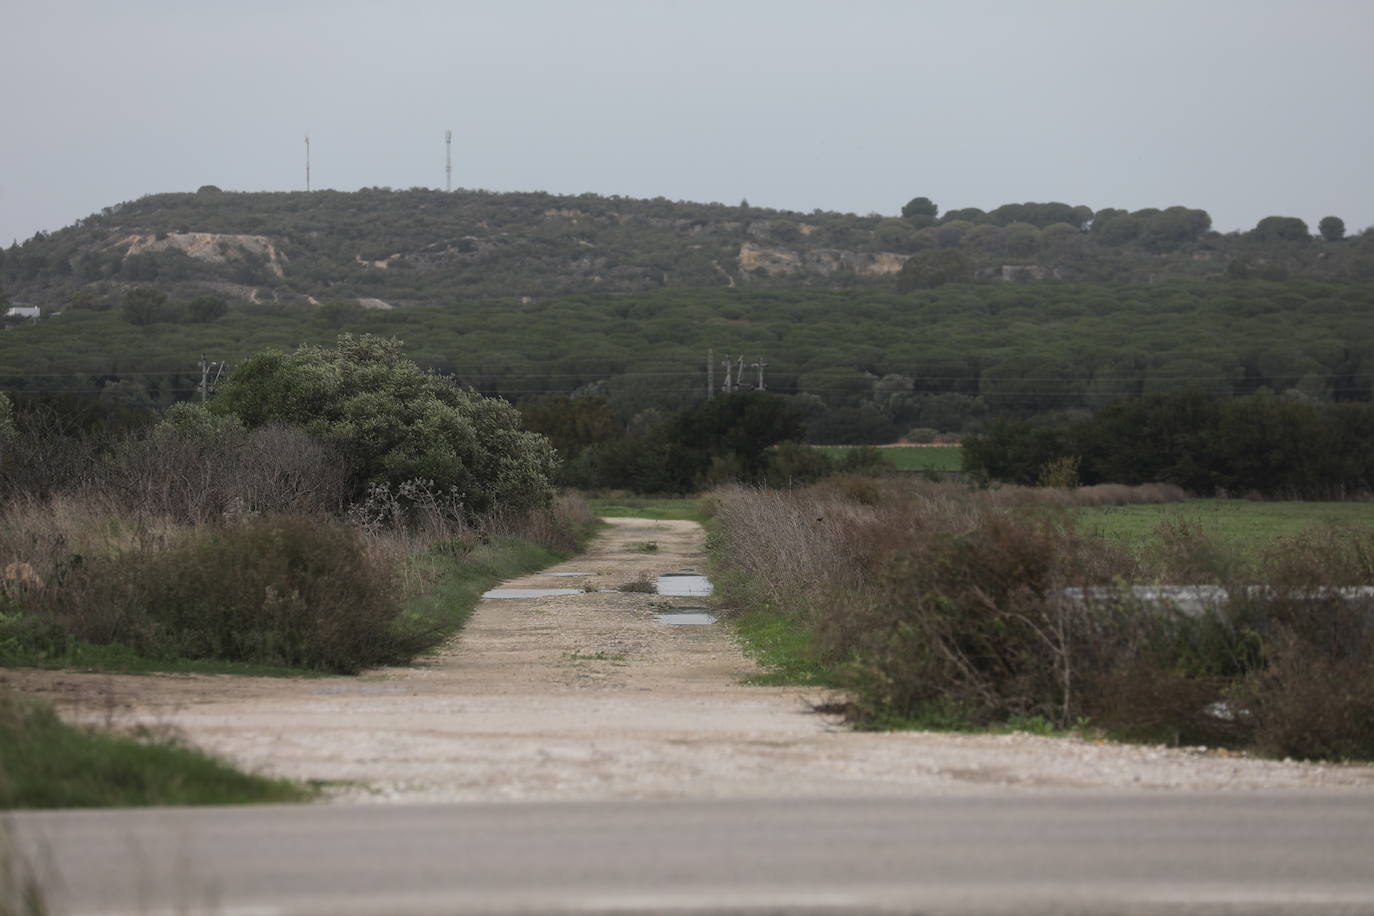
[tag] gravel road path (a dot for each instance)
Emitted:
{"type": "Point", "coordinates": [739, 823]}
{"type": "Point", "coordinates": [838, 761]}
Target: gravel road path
{"type": "Point", "coordinates": [588, 696]}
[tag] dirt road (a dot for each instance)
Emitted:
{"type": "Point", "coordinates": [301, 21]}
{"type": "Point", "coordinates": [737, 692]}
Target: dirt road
{"type": "Point", "coordinates": [589, 696]}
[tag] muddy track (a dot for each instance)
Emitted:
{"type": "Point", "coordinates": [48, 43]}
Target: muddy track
{"type": "Point", "coordinates": [589, 696]}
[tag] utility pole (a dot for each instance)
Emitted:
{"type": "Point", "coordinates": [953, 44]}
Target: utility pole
{"type": "Point", "coordinates": [206, 385]}
{"type": "Point", "coordinates": [307, 162]}
{"type": "Point", "coordinates": [710, 373]}
{"type": "Point", "coordinates": [448, 160]}
{"type": "Point", "coordinates": [739, 375]}
{"type": "Point", "coordinates": [727, 387]}
{"type": "Point", "coordinates": [760, 365]}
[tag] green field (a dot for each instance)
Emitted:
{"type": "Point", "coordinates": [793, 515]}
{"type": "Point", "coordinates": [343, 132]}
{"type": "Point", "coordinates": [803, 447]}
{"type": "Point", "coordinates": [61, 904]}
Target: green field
{"type": "Point", "coordinates": [908, 457]}
{"type": "Point", "coordinates": [1249, 527]}
{"type": "Point", "coordinates": [661, 509]}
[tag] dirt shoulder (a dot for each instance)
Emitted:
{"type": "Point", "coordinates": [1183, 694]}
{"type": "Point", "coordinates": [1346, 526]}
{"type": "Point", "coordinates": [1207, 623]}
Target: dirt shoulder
{"type": "Point", "coordinates": [589, 696]}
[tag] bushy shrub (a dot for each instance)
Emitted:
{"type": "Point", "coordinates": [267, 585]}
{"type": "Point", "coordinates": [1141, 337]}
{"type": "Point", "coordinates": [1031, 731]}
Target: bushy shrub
{"type": "Point", "coordinates": [793, 464]}
{"type": "Point", "coordinates": [196, 467]}
{"type": "Point", "coordinates": [277, 590]}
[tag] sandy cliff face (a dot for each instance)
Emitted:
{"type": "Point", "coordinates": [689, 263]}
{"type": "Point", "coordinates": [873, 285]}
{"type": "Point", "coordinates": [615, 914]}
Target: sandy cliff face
{"type": "Point", "coordinates": [759, 261]}
{"type": "Point", "coordinates": [213, 247]}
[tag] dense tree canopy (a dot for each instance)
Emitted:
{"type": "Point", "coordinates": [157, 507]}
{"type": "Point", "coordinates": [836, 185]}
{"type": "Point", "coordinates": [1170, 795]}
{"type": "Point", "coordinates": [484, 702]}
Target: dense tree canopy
{"type": "Point", "coordinates": [395, 421]}
{"type": "Point", "coordinates": [920, 206]}
{"type": "Point", "coordinates": [1281, 229]}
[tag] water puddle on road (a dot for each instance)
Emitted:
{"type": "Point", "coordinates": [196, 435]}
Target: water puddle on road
{"type": "Point", "coordinates": [685, 615]}
{"type": "Point", "coordinates": [566, 575]}
{"type": "Point", "coordinates": [684, 585]}
{"type": "Point", "coordinates": [530, 592]}
{"type": "Point", "coordinates": [690, 619]}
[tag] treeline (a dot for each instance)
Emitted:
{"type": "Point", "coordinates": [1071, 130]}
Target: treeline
{"type": "Point", "coordinates": [428, 247]}
{"type": "Point", "coordinates": [1276, 447]}
{"type": "Point", "coordinates": [863, 366]}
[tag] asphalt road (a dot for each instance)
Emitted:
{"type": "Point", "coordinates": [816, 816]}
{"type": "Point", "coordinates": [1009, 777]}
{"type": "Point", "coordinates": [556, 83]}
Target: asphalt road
{"type": "Point", "coordinates": [1143, 853]}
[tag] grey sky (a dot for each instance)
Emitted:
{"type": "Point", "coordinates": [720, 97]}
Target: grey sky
{"type": "Point", "coordinates": [1245, 108]}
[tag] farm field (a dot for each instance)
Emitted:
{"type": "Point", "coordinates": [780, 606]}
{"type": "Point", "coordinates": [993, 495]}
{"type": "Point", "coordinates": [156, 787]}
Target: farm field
{"type": "Point", "coordinates": [1246, 526]}
{"type": "Point", "coordinates": [908, 457]}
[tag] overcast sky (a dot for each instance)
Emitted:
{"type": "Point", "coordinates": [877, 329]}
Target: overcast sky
{"type": "Point", "coordinates": [1245, 108]}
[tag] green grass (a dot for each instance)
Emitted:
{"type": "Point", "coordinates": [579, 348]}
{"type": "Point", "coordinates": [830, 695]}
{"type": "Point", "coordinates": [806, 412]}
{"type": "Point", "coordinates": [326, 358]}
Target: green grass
{"type": "Point", "coordinates": [685, 509]}
{"type": "Point", "coordinates": [1244, 526]}
{"type": "Point", "coordinates": [908, 458]}
{"type": "Point", "coordinates": [46, 763]}
{"type": "Point", "coordinates": [782, 644]}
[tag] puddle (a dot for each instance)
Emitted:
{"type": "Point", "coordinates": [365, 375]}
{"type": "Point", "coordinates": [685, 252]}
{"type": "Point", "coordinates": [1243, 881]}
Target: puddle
{"type": "Point", "coordinates": [692, 619]}
{"type": "Point", "coordinates": [363, 688]}
{"type": "Point", "coordinates": [530, 592]}
{"type": "Point", "coordinates": [684, 585]}
{"type": "Point", "coordinates": [566, 575]}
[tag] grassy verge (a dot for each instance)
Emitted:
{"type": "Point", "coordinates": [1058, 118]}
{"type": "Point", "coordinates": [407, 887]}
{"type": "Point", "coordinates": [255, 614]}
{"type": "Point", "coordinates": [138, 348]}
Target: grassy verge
{"type": "Point", "coordinates": [785, 647]}
{"type": "Point", "coordinates": [47, 763]}
{"type": "Point", "coordinates": [908, 457]}
{"type": "Point", "coordinates": [459, 582]}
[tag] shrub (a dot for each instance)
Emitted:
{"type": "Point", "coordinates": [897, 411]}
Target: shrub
{"type": "Point", "coordinates": [197, 467]}
{"type": "Point", "coordinates": [287, 590]}
{"type": "Point", "coordinates": [793, 464]}
{"type": "Point", "coordinates": [942, 606]}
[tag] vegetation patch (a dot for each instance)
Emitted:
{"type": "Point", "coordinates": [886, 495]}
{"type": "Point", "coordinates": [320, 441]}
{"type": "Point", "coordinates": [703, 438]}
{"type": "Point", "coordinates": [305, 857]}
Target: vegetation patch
{"type": "Point", "coordinates": [47, 763]}
{"type": "Point", "coordinates": [272, 595]}
{"type": "Point", "coordinates": [907, 457]}
{"type": "Point", "coordinates": [938, 606]}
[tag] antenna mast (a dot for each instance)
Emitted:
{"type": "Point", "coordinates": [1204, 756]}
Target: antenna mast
{"type": "Point", "coordinates": [307, 162]}
{"type": "Point", "coordinates": [448, 160]}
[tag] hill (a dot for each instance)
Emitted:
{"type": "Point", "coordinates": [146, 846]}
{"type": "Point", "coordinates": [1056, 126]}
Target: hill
{"type": "Point", "coordinates": [384, 248]}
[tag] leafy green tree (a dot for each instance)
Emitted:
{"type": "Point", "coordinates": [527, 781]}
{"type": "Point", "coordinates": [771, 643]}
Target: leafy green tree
{"type": "Point", "coordinates": [951, 234]}
{"type": "Point", "coordinates": [571, 424]}
{"type": "Point", "coordinates": [1119, 229]}
{"type": "Point", "coordinates": [920, 206]}
{"type": "Point", "coordinates": [931, 269]}
{"type": "Point", "coordinates": [1167, 230]}
{"type": "Point", "coordinates": [1332, 228]}
{"type": "Point", "coordinates": [968, 214]}
{"type": "Point", "coordinates": [1280, 229]}
{"type": "Point", "coordinates": [396, 422]}
{"type": "Point", "coordinates": [1022, 239]}
{"type": "Point", "coordinates": [739, 428]}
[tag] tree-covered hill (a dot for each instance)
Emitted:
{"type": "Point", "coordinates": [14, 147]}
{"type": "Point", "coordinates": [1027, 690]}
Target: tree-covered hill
{"type": "Point", "coordinates": [865, 365]}
{"type": "Point", "coordinates": [421, 247]}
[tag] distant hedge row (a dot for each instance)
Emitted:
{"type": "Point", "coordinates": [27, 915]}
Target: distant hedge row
{"type": "Point", "coordinates": [1274, 446]}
